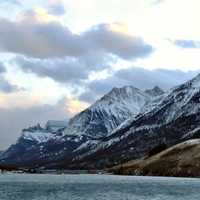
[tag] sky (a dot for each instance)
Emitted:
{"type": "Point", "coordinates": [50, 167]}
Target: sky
{"type": "Point", "coordinates": [57, 57]}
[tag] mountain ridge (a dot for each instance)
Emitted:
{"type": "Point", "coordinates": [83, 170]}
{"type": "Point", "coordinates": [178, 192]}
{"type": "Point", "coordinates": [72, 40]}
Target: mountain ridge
{"type": "Point", "coordinates": [78, 136]}
{"type": "Point", "coordinates": [167, 118]}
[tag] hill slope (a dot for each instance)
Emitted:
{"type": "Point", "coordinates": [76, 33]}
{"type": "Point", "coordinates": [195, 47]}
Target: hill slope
{"type": "Point", "coordinates": [180, 160]}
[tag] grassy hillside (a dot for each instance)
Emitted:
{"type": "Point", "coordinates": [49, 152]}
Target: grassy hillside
{"type": "Point", "coordinates": [182, 160]}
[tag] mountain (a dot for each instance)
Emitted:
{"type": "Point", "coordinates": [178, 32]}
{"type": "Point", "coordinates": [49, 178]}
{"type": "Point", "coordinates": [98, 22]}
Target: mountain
{"type": "Point", "coordinates": [45, 146]}
{"type": "Point", "coordinates": [156, 91]}
{"type": "Point", "coordinates": [175, 118]}
{"type": "Point", "coordinates": [180, 160]}
{"type": "Point", "coordinates": [124, 125]}
{"type": "Point", "coordinates": [29, 145]}
{"type": "Point", "coordinates": [108, 112]}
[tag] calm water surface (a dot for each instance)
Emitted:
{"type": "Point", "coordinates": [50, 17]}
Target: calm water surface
{"type": "Point", "coordinates": [96, 187]}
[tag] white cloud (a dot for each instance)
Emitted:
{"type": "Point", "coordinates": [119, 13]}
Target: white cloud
{"type": "Point", "coordinates": [59, 28]}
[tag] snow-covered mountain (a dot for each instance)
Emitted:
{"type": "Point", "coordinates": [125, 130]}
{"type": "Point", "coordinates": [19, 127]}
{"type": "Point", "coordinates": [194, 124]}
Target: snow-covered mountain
{"type": "Point", "coordinates": [81, 134]}
{"type": "Point", "coordinates": [37, 134]}
{"type": "Point", "coordinates": [108, 112]}
{"type": "Point", "coordinates": [174, 118]}
{"type": "Point", "coordinates": [156, 91]}
{"type": "Point", "coordinates": [29, 145]}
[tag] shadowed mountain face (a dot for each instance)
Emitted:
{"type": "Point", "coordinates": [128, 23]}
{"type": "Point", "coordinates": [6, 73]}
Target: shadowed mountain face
{"type": "Point", "coordinates": [123, 125]}
{"type": "Point", "coordinates": [156, 91]}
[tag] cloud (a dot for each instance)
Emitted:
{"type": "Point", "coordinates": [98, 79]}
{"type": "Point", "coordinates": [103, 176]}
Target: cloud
{"type": "Point", "coordinates": [155, 2]}
{"type": "Point", "coordinates": [58, 70]}
{"type": "Point", "coordinates": [104, 38]}
{"type": "Point", "coordinates": [68, 70]}
{"type": "Point", "coordinates": [11, 2]}
{"type": "Point", "coordinates": [37, 39]}
{"type": "Point", "coordinates": [56, 9]}
{"type": "Point", "coordinates": [137, 77]}
{"type": "Point", "coordinates": [187, 44]}
{"type": "Point", "coordinates": [38, 15]}
{"type": "Point", "coordinates": [52, 50]}
{"type": "Point", "coordinates": [2, 68]}
{"type": "Point", "coordinates": [5, 86]}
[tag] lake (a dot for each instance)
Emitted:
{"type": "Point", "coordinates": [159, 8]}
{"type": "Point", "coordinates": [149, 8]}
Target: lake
{"type": "Point", "coordinates": [96, 187]}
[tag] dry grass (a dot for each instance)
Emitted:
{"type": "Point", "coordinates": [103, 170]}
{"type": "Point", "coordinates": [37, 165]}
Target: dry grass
{"type": "Point", "coordinates": [180, 160]}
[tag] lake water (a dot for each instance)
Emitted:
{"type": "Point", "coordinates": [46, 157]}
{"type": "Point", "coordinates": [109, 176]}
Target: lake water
{"type": "Point", "coordinates": [96, 187]}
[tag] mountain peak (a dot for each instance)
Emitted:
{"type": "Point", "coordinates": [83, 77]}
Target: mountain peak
{"type": "Point", "coordinates": [108, 112]}
{"type": "Point", "coordinates": [156, 91]}
{"type": "Point", "coordinates": [127, 89]}
{"type": "Point", "coordinates": [123, 95]}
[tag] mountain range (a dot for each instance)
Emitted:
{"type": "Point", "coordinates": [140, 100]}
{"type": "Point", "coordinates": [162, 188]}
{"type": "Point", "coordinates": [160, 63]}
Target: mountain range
{"type": "Point", "coordinates": [125, 124]}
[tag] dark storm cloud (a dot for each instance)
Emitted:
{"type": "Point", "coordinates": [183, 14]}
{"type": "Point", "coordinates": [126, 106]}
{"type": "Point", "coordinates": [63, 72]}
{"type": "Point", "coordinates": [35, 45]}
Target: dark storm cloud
{"type": "Point", "coordinates": [137, 77]}
{"type": "Point", "coordinates": [25, 117]}
{"type": "Point", "coordinates": [50, 40]}
{"type": "Point", "coordinates": [187, 43]}
{"type": "Point", "coordinates": [37, 40]}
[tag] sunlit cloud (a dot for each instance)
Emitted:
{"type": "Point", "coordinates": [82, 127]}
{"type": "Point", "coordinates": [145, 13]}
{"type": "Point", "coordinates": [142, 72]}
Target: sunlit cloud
{"type": "Point", "coordinates": [74, 106]}
{"type": "Point", "coordinates": [38, 14]}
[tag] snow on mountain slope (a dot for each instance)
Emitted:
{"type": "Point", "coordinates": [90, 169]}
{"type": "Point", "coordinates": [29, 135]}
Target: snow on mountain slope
{"type": "Point", "coordinates": [181, 100]}
{"type": "Point", "coordinates": [108, 112]}
{"type": "Point", "coordinates": [37, 134]}
{"type": "Point", "coordinates": [150, 105]}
